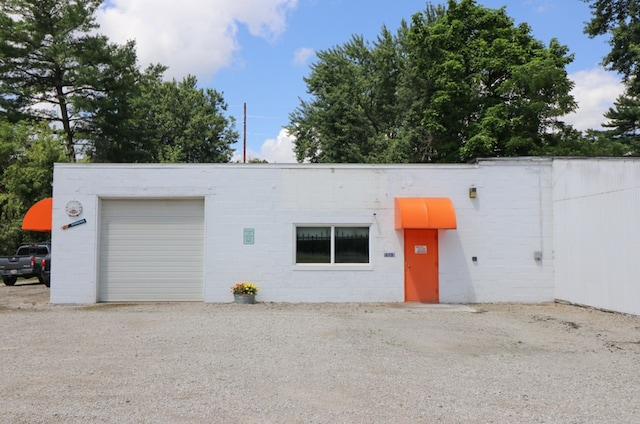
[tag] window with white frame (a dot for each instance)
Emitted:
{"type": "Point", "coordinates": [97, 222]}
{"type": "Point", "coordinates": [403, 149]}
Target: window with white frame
{"type": "Point", "coordinates": [332, 244]}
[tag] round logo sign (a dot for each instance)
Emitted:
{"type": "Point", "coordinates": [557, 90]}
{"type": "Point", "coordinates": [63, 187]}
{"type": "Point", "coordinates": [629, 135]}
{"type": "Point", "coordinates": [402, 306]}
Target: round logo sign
{"type": "Point", "coordinates": [73, 208]}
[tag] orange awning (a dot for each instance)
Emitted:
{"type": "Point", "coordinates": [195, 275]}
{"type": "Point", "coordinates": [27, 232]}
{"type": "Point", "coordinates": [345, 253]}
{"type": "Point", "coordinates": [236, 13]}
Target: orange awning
{"type": "Point", "coordinates": [38, 217]}
{"type": "Point", "coordinates": [425, 213]}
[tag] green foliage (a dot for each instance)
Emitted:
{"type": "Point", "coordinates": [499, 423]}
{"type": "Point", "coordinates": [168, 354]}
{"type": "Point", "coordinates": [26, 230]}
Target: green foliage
{"type": "Point", "coordinates": [49, 55]}
{"type": "Point", "coordinates": [491, 89]}
{"type": "Point", "coordinates": [110, 122]}
{"type": "Point", "coordinates": [459, 82]}
{"type": "Point", "coordinates": [168, 122]}
{"type": "Point", "coordinates": [28, 152]}
{"type": "Point", "coordinates": [67, 91]}
{"type": "Point", "coordinates": [624, 121]}
{"type": "Point", "coordinates": [108, 111]}
{"type": "Point", "coordinates": [353, 117]}
{"type": "Point", "coordinates": [190, 122]}
{"type": "Point", "coordinates": [621, 20]}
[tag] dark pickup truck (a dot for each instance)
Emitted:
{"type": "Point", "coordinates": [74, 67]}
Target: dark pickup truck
{"type": "Point", "coordinates": [46, 270]}
{"type": "Point", "coordinates": [26, 263]}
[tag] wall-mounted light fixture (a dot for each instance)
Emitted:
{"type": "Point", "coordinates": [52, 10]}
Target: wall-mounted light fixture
{"type": "Point", "coordinates": [472, 193]}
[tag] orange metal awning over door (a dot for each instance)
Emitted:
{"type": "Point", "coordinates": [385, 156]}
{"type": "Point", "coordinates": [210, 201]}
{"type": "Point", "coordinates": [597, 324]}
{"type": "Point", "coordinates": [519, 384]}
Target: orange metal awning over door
{"type": "Point", "coordinates": [425, 213]}
{"type": "Point", "coordinates": [38, 217]}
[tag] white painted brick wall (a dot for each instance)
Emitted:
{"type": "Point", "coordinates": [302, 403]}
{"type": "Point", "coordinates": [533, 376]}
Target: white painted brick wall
{"type": "Point", "coordinates": [597, 232]}
{"type": "Point", "coordinates": [510, 219]}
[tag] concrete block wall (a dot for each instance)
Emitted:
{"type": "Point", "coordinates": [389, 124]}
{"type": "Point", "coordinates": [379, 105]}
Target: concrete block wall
{"type": "Point", "coordinates": [75, 251]}
{"type": "Point", "coordinates": [596, 205]}
{"type": "Point", "coordinates": [509, 220]}
{"type": "Point", "coordinates": [274, 201]}
{"type": "Point", "coordinates": [512, 220]}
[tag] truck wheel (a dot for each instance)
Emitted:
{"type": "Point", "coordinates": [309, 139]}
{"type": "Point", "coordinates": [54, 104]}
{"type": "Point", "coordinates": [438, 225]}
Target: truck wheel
{"type": "Point", "coordinates": [46, 282]}
{"type": "Point", "coordinates": [9, 281]}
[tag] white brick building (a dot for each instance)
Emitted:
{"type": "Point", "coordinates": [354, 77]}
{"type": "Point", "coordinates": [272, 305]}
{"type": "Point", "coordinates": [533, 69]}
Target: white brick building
{"type": "Point", "coordinates": [534, 232]}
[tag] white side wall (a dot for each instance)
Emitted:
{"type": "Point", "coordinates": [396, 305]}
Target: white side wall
{"type": "Point", "coordinates": [508, 222]}
{"type": "Point", "coordinates": [596, 205]}
{"type": "Point", "coordinates": [503, 227]}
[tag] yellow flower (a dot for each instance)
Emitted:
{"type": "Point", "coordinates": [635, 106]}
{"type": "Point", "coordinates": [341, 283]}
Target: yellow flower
{"type": "Point", "coordinates": [244, 288]}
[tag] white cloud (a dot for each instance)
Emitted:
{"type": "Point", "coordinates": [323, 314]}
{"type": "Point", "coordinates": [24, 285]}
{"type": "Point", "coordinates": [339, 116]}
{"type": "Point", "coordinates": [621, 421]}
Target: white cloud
{"type": "Point", "coordinates": [279, 150]}
{"type": "Point", "coordinates": [595, 91]}
{"type": "Point", "coordinates": [195, 37]}
{"type": "Point", "coordinates": [302, 55]}
{"type": "Point", "coordinates": [540, 6]}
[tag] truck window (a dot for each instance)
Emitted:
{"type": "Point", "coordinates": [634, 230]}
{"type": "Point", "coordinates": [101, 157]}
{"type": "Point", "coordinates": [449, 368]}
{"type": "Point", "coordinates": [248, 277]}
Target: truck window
{"type": "Point", "coordinates": [23, 251]}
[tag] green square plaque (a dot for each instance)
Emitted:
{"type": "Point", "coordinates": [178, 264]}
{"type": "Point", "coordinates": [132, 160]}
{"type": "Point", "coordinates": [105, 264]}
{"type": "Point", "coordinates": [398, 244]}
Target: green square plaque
{"type": "Point", "coordinates": [249, 235]}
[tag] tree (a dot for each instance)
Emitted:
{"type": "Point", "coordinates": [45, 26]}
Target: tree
{"type": "Point", "coordinates": [457, 83]}
{"type": "Point", "coordinates": [624, 121]}
{"type": "Point", "coordinates": [125, 130]}
{"type": "Point", "coordinates": [621, 20]}
{"type": "Point", "coordinates": [491, 89]}
{"type": "Point", "coordinates": [192, 125]}
{"type": "Point", "coordinates": [168, 121]}
{"type": "Point", "coordinates": [27, 154]}
{"type": "Point", "coordinates": [353, 116]}
{"type": "Point", "coordinates": [54, 68]}
{"type": "Point", "coordinates": [570, 142]}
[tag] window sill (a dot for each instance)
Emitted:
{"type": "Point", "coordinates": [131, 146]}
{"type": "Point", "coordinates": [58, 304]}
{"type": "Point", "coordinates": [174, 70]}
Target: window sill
{"type": "Point", "coordinates": [333, 267]}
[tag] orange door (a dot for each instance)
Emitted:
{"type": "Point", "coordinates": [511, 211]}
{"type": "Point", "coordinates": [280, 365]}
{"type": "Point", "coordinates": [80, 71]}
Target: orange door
{"type": "Point", "coordinates": [421, 266]}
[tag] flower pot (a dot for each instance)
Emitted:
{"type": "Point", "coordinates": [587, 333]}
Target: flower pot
{"type": "Point", "coordinates": [244, 298]}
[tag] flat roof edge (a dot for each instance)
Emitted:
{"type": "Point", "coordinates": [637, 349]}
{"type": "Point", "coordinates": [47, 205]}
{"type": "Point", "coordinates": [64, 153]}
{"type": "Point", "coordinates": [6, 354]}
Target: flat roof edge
{"type": "Point", "coordinates": [473, 164]}
{"type": "Point", "coordinates": [266, 165]}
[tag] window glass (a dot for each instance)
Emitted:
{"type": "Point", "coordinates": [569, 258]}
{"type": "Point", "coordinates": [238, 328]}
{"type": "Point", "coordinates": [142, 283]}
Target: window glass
{"type": "Point", "coordinates": [313, 245]}
{"type": "Point", "coordinates": [352, 245]}
{"type": "Point", "coordinates": [332, 245]}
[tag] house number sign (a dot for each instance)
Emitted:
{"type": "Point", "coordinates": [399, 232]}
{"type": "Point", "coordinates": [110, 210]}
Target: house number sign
{"type": "Point", "coordinates": [420, 250]}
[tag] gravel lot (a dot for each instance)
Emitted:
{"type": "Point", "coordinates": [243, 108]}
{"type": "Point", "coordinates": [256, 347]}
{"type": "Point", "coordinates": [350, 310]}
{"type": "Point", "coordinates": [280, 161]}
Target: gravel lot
{"type": "Point", "coordinates": [314, 363]}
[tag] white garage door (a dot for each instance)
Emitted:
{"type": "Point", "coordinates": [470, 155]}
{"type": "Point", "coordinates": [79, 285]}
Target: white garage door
{"type": "Point", "coordinates": [151, 250]}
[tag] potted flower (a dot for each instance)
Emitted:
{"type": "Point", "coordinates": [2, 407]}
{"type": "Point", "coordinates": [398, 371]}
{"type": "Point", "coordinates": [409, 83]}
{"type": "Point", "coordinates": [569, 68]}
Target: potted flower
{"type": "Point", "coordinates": [244, 292]}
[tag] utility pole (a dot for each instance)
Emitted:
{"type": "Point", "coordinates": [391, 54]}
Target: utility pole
{"type": "Point", "coordinates": [244, 136]}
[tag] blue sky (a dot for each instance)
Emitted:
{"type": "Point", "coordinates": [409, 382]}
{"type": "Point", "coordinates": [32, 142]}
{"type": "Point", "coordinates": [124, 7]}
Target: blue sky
{"type": "Point", "coordinates": [258, 51]}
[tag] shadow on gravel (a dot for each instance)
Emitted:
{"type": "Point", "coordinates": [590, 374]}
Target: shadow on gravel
{"type": "Point", "coordinates": [106, 306]}
{"type": "Point", "coordinates": [449, 307]}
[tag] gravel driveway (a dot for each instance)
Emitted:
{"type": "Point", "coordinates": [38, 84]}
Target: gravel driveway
{"type": "Point", "coordinates": [314, 363]}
